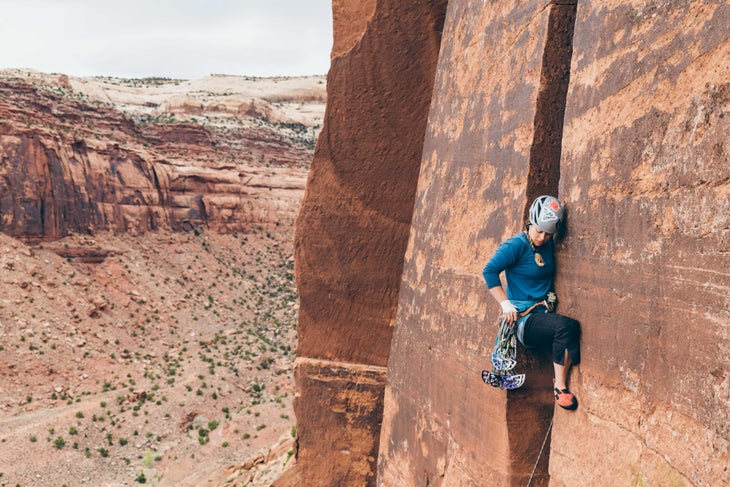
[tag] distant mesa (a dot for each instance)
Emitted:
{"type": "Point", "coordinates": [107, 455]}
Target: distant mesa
{"type": "Point", "coordinates": [133, 155]}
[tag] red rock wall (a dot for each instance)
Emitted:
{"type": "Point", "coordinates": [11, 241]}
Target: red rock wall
{"type": "Point", "coordinates": [620, 109]}
{"type": "Point", "coordinates": [353, 227]}
{"type": "Point", "coordinates": [490, 144]}
{"type": "Point", "coordinates": [646, 175]}
{"type": "Point", "coordinates": [644, 170]}
{"type": "Point", "coordinates": [73, 167]}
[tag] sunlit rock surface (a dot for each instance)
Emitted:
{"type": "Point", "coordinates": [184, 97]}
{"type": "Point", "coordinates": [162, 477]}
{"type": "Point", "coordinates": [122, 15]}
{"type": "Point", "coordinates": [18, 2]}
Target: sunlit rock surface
{"type": "Point", "coordinates": [620, 110]}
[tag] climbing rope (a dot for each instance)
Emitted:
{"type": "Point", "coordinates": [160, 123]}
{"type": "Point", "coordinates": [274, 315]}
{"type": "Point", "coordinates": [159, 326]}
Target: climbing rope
{"type": "Point", "coordinates": [540, 454]}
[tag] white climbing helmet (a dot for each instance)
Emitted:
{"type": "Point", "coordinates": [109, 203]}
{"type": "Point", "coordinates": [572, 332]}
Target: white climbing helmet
{"type": "Point", "coordinates": [546, 213]}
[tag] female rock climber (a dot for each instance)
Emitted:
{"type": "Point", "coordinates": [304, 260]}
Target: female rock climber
{"type": "Point", "coordinates": [529, 266]}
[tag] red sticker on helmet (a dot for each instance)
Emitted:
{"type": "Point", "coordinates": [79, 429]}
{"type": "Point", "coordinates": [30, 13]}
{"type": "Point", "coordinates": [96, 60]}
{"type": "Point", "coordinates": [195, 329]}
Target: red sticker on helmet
{"type": "Point", "coordinates": [554, 205]}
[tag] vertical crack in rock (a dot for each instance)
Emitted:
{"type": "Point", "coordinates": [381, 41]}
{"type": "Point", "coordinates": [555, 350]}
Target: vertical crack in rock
{"type": "Point", "coordinates": [543, 178]}
{"type": "Point", "coordinates": [52, 197]}
{"type": "Point", "coordinates": [495, 121]}
{"type": "Point", "coordinates": [544, 170]}
{"type": "Point", "coordinates": [203, 211]}
{"type": "Point", "coordinates": [42, 212]}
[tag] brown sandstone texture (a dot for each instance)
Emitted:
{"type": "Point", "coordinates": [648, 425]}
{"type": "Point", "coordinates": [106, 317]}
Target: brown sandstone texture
{"type": "Point", "coordinates": [618, 108]}
{"type": "Point", "coordinates": [442, 425]}
{"type": "Point", "coordinates": [646, 175]}
{"type": "Point", "coordinates": [352, 230]}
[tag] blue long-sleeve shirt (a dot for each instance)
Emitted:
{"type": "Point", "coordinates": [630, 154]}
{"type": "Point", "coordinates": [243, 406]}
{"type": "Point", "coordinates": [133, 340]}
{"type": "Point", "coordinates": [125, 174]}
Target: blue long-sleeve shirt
{"type": "Point", "coordinates": [526, 281]}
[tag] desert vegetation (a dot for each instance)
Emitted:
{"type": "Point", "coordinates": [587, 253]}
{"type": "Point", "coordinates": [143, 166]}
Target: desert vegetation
{"type": "Point", "coordinates": [141, 356]}
{"type": "Point", "coordinates": [174, 354]}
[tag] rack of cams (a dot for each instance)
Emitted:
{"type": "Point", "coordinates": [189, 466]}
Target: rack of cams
{"type": "Point", "coordinates": [504, 359]}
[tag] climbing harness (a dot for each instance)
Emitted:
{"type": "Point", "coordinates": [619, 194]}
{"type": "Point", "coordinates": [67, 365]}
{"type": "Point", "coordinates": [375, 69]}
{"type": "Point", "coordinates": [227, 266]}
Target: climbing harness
{"type": "Point", "coordinates": [548, 303]}
{"type": "Point", "coordinates": [504, 353]}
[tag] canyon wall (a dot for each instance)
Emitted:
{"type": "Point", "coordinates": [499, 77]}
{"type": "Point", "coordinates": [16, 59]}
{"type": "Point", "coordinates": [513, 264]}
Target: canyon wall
{"type": "Point", "coordinates": [353, 227]}
{"type": "Point", "coordinates": [70, 164]}
{"type": "Point", "coordinates": [492, 122]}
{"type": "Point", "coordinates": [146, 231]}
{"type": "Point", "coordinates": [620, 110]}
{"type": "Point", "coordinates": [646, 175]}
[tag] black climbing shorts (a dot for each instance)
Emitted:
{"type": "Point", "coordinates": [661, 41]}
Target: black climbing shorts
{"type": "Point", "coordinates": [556, 332]}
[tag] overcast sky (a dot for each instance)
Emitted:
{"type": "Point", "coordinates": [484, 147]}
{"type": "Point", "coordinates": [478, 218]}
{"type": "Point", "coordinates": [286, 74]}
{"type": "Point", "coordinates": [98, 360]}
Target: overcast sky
{"type": "Point", "coordinates": [185, 39]}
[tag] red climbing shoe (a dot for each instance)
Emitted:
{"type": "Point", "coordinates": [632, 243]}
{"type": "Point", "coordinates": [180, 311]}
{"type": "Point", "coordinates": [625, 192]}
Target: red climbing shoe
{"type": "Point", "coordinates": [565, 399]}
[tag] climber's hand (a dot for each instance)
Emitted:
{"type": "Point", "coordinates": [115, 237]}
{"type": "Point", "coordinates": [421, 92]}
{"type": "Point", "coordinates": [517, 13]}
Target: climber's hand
{"type": "Point", "coordinates": [509, 311]}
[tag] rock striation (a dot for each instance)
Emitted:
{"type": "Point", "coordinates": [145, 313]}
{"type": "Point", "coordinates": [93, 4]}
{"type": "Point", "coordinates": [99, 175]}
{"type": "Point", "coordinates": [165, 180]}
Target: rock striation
{"type": "Point", "coordinates": [621, 111]}
{"type": "Point", "coordinates": [107, 308]}
{"type": "Point", "coordinates": [72, 164]}
{"type": "Point", "coordinates": [353, 227]}
{"type": "Point", "coordinates": [646, 174]}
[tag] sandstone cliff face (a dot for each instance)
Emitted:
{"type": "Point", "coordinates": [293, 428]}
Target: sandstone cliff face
{"type": "Point", "coordinates": [353, 227]}
{"type": "Point", "coordinates": [442, 426]}
{"type": "Point", "coordinates": [620, 110]}
{"type": "Point", "coordinates": [646, 174]}
{"type": "Point", "coordinates": [71, 164]}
